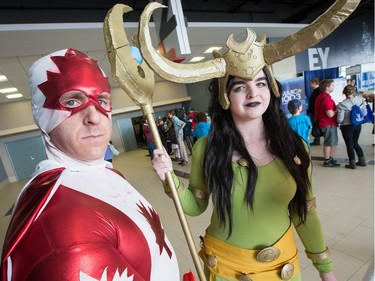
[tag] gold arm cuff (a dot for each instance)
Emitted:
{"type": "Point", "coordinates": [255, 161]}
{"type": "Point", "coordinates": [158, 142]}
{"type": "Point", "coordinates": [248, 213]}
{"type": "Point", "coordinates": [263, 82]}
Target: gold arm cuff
{"type": "Point", "coordinates": [199, 193]}
{"type": "Point", "coordinates": [167, 190]}
{"type": "Point", "coordinates": [311, 205]}
{"type": "Point", "coordinates": [180, 186]}
{"type": "Point", "coordinates": [319, 256]}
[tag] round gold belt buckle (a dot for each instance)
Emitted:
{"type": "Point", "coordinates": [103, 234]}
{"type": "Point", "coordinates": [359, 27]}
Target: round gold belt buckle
{"type": "Point", "coordinates": [268, 254]}
{"type": "Point", "coordinates": [211, 261]}
{"type": "Point", "coordinates": [287, 271]}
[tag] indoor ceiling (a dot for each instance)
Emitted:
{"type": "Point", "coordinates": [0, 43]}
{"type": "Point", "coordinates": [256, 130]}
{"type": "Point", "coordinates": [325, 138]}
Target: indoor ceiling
{"type": "Point", "coordinates": [30, 29]}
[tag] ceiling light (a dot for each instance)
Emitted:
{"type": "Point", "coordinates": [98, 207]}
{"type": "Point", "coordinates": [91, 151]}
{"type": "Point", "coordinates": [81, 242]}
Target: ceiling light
{"type": "Point", "coordinates": [211, 49]}
{"type": "Point", "coordinates": [14, 96]}
{"type": "Point", "coordinates": [195, 59]}
{"type": "Point", "coordinates": [3, 78]}
{"type": "Point", "coordinates": [8, 90]}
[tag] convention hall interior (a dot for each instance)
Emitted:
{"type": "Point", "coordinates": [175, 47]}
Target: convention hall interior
{"type": "Point", "coordinates": [30, 29]}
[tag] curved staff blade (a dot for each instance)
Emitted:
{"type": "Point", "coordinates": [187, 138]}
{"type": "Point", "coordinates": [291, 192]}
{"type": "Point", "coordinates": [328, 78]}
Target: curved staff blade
{"type": "Point", "coordinates": [137, 80]}
{"type": "Point", "coordinates": [172, 71]}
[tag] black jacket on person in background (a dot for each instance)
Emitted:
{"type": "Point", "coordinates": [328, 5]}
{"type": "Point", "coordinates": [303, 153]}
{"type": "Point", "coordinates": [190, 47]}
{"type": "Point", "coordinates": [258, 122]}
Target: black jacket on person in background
{"type": "Point", "coordinates": [311, 108]}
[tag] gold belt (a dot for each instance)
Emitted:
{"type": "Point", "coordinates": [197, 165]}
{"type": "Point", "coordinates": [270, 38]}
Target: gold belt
{"type": "Point", "coordinates": [278, 262]}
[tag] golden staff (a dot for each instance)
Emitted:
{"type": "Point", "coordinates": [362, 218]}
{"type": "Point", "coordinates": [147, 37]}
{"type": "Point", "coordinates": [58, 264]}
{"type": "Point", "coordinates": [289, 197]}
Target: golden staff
{"type": "Point", "coordinates": [137, 80]}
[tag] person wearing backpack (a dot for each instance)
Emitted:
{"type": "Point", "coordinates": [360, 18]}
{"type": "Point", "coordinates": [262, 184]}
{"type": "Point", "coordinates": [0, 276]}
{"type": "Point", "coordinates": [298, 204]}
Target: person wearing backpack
{"type": "Point", "coordinates": [350, 127]}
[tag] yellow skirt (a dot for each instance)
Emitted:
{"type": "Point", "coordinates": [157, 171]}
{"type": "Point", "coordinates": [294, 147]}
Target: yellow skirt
{"type": "Point", "coordinates": [278, 262]}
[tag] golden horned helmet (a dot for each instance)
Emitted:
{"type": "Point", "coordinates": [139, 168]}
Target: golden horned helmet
{"type": "Point", "coordinates": [244, 59]}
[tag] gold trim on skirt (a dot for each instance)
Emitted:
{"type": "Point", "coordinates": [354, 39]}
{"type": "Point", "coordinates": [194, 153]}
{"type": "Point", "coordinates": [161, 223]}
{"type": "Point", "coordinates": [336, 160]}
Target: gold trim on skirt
{"type": "Point", "coordinates": [233, 263]}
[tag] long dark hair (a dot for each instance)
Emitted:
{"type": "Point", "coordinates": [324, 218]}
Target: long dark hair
{"type": "Point", "coordinates": [282, 141]}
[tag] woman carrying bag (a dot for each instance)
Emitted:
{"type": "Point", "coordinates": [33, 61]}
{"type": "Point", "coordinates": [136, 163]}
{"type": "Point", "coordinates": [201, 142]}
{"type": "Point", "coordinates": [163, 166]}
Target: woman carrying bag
{"type": "Point", "coordinates": [350, 132]}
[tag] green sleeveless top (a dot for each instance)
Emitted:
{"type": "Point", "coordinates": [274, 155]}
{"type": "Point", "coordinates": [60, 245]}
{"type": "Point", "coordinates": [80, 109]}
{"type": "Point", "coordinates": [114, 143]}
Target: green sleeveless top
{"type": "Point", "coordinates": [260, 226]}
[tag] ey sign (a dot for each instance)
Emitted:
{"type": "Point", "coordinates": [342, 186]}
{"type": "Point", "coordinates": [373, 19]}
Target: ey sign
{"type": "Point", "coordinates": [318, 58]}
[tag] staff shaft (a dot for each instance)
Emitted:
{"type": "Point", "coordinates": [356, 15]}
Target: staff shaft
{"type": "Point", "coordinates": [176, 200]}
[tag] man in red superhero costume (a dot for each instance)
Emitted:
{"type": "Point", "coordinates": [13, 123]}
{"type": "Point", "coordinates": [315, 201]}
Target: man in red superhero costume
{"type": "Point", "coordinates": [78, 218]}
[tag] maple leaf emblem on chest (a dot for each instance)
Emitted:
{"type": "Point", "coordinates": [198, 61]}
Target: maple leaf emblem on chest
{"type": "Point", "coordinates": [153, 219]}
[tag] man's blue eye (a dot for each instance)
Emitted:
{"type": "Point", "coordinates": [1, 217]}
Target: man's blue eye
{"type": "Point", "coordinates": [105, 103]}
{"type": "Point", "coordinates": [71, 103]}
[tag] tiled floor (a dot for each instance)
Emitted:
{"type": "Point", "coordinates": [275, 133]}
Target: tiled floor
{"type": "Point", "coordinates": [345, 202]}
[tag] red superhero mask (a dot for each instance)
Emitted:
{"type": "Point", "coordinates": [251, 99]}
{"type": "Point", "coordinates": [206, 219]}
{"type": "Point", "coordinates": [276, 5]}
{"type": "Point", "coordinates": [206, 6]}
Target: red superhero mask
{"type": "Point", "coordinates": [78, 73]}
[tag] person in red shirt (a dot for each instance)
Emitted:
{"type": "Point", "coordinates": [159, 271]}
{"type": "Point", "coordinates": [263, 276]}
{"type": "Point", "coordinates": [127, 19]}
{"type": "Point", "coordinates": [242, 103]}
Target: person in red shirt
{"type": "Point", "coordinates": [192, 114]}
{"type": "Point", "coordinates": [326, 114]}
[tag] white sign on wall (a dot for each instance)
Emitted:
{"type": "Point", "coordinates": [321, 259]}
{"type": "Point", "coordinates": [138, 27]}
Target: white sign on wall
{"type": "Point", "coordinates": [337, 94]}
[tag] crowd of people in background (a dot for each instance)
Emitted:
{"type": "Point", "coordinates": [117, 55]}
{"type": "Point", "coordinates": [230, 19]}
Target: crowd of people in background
{"type": "Point", "coordinates": [178, 134]}
{"type": "Point", "coordinates": [323, 118]}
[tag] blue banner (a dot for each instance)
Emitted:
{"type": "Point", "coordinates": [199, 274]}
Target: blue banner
{"type": "Point", "coordinates": [293, 89]}
{"type": "Point", "coordinates": [367, 81]}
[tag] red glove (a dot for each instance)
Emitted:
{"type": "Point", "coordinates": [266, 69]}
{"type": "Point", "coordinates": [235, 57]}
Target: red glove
{"type": "Point", "coordinates": [189, 276]}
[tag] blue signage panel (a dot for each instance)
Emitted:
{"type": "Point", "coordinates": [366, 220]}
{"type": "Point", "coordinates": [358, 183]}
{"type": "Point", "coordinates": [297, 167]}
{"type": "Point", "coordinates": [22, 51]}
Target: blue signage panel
{"type": "Point", "coordinates": [293, 89]}
{"type": "Point", "coordinates": [367, 81]}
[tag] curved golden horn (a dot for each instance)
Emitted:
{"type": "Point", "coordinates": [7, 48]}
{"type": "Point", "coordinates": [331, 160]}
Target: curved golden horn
{"type": "Point", "coordinates": [240, 47]}
{"type": "Point", "coordinates": [176, 72]}
{"type": "Point", "coordinates": [311, 34]}
{"type": "Point", "coordinates": [137, 80]}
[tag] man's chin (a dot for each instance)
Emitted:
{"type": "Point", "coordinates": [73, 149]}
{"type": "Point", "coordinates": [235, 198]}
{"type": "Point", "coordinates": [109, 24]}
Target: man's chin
{"type": "Point", "coordinates": [93, 155]}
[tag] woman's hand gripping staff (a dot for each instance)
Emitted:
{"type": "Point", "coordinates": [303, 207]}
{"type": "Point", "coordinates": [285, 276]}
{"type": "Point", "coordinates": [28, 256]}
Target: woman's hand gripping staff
{"type": "Point", "coordinates": [162, 163]}
{"type": "Point", "coordinates": [137, 80]}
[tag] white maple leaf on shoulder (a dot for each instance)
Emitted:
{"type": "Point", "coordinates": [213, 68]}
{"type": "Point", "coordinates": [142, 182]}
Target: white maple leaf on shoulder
{"type": "Point", "coordinates": [117, 277]}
